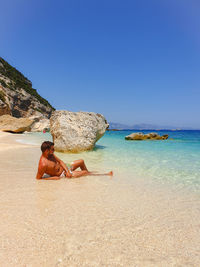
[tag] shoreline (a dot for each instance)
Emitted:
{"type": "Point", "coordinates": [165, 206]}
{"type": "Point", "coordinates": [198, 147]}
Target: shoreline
{"type": "Point", "coordinates": [91, 221]}
{"type": "Point", "coordinates": [9, 141]}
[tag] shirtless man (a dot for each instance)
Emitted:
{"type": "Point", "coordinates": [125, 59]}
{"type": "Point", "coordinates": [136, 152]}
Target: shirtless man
{"type": "Point", "coordinates": [55, 168]}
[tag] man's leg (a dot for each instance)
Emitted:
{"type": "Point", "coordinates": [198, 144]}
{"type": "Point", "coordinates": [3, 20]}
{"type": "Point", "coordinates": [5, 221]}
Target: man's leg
{"type": "Point", "coordinates": [77, 174]}
{"type": "Point", "coordinates": [84, 171]}
{"type": "Point", "coordinates": [79, 164]}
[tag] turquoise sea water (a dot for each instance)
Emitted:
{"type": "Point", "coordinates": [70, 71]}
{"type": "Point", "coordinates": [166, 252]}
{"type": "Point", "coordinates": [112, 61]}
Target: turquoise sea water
{"type": "Point", "coordinates": [176, 160]}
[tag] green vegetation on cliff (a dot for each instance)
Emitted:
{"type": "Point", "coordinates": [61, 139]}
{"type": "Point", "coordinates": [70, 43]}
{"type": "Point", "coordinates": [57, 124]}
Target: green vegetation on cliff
{"type": "Point", "coordinates": [3, 83]}
{"type": "Point", "coordinates": [2, 96]}
{"type": "Point", "coordinates": [20, 81]}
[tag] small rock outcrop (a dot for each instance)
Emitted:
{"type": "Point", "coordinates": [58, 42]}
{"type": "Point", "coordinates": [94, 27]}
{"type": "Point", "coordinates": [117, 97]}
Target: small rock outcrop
{"type": "Point", "coordinates": [76, 131]}
{"type": "Point", "coordinates": [14, 125]}
{"type": "Point", "coordinates": [150, 136]}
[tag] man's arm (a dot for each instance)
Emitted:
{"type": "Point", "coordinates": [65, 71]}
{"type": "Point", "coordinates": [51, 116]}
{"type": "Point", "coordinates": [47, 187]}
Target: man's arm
{"type": "Point", "coordinates": [41, 171]}
{"type": "Point", "coordinates": [69, 175]}
{"type": "Point", "coordinates": [51, 178]}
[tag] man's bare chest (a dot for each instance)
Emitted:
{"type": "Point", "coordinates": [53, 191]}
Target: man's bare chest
{"type": "Point", "coordinates": [52, 165]}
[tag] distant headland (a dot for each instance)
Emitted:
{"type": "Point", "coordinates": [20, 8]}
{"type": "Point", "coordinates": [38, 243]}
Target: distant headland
{"type": "Point", "coordinates": [113, 126]}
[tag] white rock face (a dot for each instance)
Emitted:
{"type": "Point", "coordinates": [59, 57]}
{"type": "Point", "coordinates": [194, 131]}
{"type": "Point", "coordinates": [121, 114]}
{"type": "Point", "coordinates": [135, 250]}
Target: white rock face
{"type": "Point", "coordinates": [18, 103]}
{"type": "Point", "coordinates": [39, 126]}
{"type": "Point", "coordinates": [76, 131]}
{"type": "Point", "coordinates": [4, 102]}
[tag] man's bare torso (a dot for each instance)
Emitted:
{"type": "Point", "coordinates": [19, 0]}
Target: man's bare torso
{"type": "Point", "coordinates": [51, 166]}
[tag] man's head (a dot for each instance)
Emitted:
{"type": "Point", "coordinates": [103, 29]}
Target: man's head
{"type": "Point", "coordinates": [47, 148]}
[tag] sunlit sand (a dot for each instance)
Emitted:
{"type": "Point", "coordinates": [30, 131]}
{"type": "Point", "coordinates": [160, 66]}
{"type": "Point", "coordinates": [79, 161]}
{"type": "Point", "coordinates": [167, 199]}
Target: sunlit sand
{"type": "Point", "coordinates": [91, 221]}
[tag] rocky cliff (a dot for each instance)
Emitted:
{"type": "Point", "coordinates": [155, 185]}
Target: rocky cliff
{"type": "Point", "coordinates": [17, 97]}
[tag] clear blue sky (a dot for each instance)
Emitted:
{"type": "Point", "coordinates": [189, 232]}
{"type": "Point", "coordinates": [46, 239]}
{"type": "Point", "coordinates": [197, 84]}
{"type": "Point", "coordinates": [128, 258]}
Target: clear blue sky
{"type": "Point", "coordinates": [134, 61]}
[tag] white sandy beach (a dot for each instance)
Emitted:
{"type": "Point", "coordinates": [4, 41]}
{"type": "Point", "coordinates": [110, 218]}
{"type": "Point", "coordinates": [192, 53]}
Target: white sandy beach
{"type": "Point", "coordinates": [91, 221]}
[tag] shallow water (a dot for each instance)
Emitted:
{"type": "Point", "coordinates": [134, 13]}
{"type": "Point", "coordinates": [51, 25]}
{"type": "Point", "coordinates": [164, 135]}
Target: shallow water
{"type": "Point", "coordinates": [176, 160]}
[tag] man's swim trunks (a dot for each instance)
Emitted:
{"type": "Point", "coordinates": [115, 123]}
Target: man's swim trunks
{"type": "Point", "coordinates": [62, 174]}
{"type": "Point", "coordinates": [69, 166]}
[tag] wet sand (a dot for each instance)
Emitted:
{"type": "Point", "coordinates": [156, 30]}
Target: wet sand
{"type": "Point", "coordinates": [91, 221]}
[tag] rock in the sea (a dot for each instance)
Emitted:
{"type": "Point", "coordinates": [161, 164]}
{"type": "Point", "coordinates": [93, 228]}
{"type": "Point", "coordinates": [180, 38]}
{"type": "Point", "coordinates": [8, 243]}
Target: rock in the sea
{"type": "Point", "coordinates": [76, 131]}
{"type": "Point", "coordinates": [150, 136]}
{"type": "Point", "coordinates": [135, 136]}
{"type": "Point", "coordinates": [14, 125]}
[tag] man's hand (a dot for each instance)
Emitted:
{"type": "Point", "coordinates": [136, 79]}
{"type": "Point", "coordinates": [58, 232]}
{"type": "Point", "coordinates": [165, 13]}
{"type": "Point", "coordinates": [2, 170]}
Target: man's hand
{"type": "Point", "coordinates": [68, 174]}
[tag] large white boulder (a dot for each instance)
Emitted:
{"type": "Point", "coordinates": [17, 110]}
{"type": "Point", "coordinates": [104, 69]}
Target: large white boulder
{"type": "Point", "coordinates": [76, 131]}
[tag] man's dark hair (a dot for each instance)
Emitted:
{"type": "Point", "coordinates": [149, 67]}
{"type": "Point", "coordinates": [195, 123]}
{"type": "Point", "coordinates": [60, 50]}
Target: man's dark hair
{"type": "Point", "coordinates": [46, 145]}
